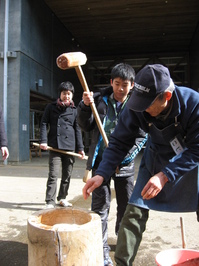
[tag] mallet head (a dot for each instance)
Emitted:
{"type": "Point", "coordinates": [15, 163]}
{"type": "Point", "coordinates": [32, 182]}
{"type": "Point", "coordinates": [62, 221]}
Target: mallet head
{"type": "Point", "coordinates": [73, 59]}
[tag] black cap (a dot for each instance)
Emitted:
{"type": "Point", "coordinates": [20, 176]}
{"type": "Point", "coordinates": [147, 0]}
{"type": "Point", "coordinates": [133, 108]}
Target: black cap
{"type": "Point", "coordinates": [149, 82]}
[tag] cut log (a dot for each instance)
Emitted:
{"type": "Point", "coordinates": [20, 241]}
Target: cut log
{"type": "Point", "coordinates": [64, 237]}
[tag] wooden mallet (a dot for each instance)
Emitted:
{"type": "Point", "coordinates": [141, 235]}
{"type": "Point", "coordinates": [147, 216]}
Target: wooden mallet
{"type": "Point", "coordinates": [75, 60]}
{"type": "Point", "coordinates": [62, 151]}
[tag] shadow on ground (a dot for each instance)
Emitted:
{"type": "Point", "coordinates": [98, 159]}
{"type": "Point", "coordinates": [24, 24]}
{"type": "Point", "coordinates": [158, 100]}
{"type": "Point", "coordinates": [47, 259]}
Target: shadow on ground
{"type": "Point", "coordinates": [13, 253]}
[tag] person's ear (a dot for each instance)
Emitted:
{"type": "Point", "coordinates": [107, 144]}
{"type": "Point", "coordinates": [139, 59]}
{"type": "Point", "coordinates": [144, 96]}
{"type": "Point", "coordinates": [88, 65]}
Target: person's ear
{"type": "Point", "coordinates": [132, 85]}
{"type": "Point", "coordinates": [111, 82]}
{"type": "Point", "coordinates": [168, 95]}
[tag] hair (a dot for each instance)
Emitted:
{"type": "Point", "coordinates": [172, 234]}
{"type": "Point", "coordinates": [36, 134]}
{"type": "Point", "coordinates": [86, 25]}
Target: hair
{"type": "Point", "coordinates": [160, 96]}
{"type": "Point", "coordinates": [171, 88]}
{"type": "Point", "coordinates": [66, 86]}
{"type": "Point", "coordinates": [123, 71]}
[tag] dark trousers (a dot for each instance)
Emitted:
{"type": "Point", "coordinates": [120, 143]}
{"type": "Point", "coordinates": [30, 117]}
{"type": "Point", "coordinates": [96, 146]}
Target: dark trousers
{"type": "Point", "coordinates": [101, 200]}
{"type": "Point", "coordinates": [130, 234]}
{"type": "Point", "coordinates": [57, 159]}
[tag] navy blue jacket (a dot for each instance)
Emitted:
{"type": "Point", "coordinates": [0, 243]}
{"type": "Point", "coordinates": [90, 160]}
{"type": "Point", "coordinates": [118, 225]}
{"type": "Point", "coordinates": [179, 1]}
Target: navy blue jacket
{"type": "Point", "coordinates": [181, 193]}
{"type": "Point", "coordinates": [185, 107]}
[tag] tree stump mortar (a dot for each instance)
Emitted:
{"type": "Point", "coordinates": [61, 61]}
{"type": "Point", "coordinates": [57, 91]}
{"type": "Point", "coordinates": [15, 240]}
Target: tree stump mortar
{"type": "Point", "coordinates": [64, 237]}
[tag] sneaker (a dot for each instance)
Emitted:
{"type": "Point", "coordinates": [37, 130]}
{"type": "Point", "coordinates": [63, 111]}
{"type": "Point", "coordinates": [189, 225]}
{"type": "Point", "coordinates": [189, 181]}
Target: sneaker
{"type": "Point", "coordinates": [49, 206]}
{"type": "Point", "coordinates": [64, 203]}
{"type": "Point", "coordinates": [108, 261]}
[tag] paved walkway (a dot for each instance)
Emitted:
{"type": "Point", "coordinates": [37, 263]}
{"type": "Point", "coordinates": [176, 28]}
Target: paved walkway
{"type": "Point", "coordinates": [22, 192]}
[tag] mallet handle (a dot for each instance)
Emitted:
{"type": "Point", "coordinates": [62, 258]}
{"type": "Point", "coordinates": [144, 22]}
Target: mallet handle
{"type": "Point", "coordinates": [61, 151]}
{"type": "Point", "coordinates": [83, 82]}
{"type": "Point", "coordinates": [182, 232]}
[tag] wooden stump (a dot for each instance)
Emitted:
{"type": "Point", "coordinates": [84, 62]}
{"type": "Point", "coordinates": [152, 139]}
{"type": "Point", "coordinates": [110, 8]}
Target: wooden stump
{"type": "Point", "coordinates": [64, 237]}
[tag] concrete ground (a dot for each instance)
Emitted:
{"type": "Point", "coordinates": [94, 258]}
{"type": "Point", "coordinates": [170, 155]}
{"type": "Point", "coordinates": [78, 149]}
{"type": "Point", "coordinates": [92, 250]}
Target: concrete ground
{"type": "Point", "coordinates": [22, 192]}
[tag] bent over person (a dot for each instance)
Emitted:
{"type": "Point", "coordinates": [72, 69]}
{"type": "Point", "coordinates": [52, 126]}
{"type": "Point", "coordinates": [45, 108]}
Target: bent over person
{"type": "Point", "coordinates": [110, 103]}
{"type": "Point", "coordinates": [64, 134]}
{"type": "Point", "coordinates": [168, 174]}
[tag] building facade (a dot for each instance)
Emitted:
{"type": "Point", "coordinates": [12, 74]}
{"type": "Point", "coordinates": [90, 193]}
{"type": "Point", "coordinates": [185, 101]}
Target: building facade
{"type": "Point", "coordinates": [31, 38]}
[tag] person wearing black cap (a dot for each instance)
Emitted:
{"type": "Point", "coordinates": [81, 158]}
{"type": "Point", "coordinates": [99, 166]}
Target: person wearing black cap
{"type": "Point", "coordinates": [168, 174]}
{"type": "Point", "coordinates": [64, 134]}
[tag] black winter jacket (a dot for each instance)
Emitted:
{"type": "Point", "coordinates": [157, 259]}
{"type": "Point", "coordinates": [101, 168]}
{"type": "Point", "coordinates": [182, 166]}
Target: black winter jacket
{"type": "Point", "coordinates": [64, 132]}
{"type": "Point", "coordinates": [87, 123]}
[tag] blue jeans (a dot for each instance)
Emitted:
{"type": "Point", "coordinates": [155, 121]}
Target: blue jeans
{"type": "Point", "coordinates": [57, 159]}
